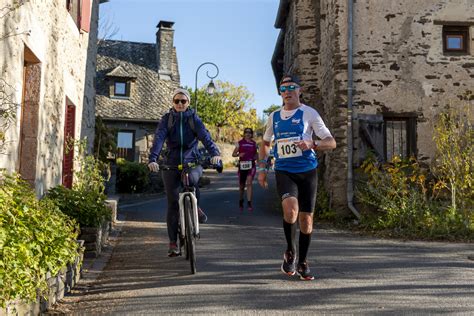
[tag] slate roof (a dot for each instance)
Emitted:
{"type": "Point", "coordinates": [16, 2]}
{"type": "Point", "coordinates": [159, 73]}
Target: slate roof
{"type": "Point", "coordinates": [119, 72]}
{"type": "Point", "coordinates": [150, 97]}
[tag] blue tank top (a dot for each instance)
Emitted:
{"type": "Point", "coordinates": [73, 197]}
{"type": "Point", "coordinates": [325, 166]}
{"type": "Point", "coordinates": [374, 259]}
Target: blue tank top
{"type": "Point", "coordinates": [288, 156]}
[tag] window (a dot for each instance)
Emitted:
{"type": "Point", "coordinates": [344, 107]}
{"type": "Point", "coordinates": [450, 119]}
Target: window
{"type": "Point", "coordinates": [126, 145]}
{"type": "Point", "coordinates": [125, 140]}
{"type": "Point", "coordinates": [80, 11]}
{"type": "Point", "coordinates": [456, 40]}
{"type": "Point", "coordinates": [74, 7]}
{"type": "Point", "coordinates": [120, 89]}
{"type": "Point", "coordinates": [400, 137]}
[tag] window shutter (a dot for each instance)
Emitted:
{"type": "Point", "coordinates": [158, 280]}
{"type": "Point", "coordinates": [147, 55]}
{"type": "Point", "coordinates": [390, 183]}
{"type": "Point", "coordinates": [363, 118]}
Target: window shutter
{"type": "Point", "coordinates": [371, 133]}
{"type": "Point", "coordinates": [68, 156]}
{"type": "Point", "coordinates": [128, 88]}
{"type": "Point", "coordinates": [86, 15]}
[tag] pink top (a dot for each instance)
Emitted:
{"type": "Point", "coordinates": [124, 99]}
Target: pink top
{"type": "Point", "coordinates": [249, 148]}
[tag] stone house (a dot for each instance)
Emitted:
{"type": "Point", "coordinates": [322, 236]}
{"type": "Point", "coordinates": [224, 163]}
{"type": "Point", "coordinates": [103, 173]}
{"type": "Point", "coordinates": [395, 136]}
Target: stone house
{"type": "Point", "coordinates": [134, 84]}
{"type": "Point", "coordinates": [379, 72]}
{"type": "Point", "coordinates": [48, 53]}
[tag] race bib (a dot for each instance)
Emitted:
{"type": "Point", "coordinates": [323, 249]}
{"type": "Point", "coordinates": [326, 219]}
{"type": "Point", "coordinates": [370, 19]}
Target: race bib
{"type": "Point", "coordinates": [287, 148]}
{"type": "Point", "coordinates": [245, 165]}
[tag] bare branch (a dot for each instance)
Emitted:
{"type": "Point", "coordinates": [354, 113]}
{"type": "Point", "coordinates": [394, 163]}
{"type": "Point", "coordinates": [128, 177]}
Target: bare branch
{"type": "Point", "coordinates": [107, 29]}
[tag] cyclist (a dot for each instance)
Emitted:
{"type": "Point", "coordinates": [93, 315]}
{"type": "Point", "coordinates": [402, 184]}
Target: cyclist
{"type": "Point", "coordinates": [292, 127]}
{"type": "Point", "coordinates": [246, 150]}
{"type": "Point", "coordinates": [181, 140]}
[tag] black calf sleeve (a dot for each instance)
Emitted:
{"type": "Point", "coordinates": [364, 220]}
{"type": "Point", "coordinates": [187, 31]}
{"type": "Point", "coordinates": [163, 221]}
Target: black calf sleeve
{"type": "Point", "coordinates": [305, 240]}
{"type": "Point", "coordinates": [290, 234]}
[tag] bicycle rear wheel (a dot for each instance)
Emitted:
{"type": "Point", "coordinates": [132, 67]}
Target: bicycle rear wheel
{"type": "Point", "coordinates": [190, 240]}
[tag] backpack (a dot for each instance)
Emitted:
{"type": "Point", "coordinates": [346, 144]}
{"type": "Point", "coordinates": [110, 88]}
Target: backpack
{"type": "Point", "coordinates": [190, 120]}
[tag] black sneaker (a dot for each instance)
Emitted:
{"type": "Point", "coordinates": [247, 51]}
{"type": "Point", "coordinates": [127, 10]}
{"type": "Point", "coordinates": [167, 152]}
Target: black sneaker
{"type": "Point", "coordinates": [173, 250]}
{"type": "Point", "coordinates": [288, 265]}
{"type": "Point", "coordinates": [202, 217]}
{"type": "Point", "coordinates": [304, 272]}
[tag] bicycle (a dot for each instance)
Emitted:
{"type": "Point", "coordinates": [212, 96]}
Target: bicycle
{"type": "Point", "coordinates": [188, 213]}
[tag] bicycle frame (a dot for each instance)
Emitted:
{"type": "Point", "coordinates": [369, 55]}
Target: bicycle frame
{"type": "Point", "coordinates": [188, 223]}
{"type": "Point", "coordinates": [193, 199]}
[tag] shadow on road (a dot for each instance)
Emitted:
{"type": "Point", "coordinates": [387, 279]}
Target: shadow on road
{"type": "Point", "coordinates": [239, 257]}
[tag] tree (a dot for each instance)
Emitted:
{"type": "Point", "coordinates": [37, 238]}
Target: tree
{"type": "Point", "coordinates": [105, 140]}
{"type": "Point", "coordinates": [453, 163]}
{"type": "Point", "coordinates": [227, 107]}
{"type": "Point", "coordinates": [272, 108]}
{"type": "Point", "coordinates": [107, 28]}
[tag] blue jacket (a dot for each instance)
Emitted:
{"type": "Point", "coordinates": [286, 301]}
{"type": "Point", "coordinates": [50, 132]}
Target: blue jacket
{"type": "Point", "coordinates": [181, 141]}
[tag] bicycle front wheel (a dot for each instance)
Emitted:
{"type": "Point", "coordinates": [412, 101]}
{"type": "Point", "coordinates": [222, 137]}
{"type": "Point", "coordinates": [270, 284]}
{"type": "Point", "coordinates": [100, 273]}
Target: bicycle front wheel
{"type": "Point", "coordinates": [190, 240]}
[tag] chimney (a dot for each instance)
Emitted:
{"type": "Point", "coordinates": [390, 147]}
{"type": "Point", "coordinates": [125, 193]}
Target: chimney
{"type": "Point", "coordinates": [165, 52]}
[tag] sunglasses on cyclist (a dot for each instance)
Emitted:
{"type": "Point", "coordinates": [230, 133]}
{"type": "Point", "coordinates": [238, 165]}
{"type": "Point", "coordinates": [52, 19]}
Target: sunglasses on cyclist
{"type": "Point", "coordinates": [178, 101]}
{"type": "Point", "coordinates": [288, 88]}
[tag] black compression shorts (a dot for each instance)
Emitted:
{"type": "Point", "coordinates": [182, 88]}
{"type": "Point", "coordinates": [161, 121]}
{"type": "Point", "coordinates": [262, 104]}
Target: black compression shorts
{"type": "Point", "coordinates": [303, 186]}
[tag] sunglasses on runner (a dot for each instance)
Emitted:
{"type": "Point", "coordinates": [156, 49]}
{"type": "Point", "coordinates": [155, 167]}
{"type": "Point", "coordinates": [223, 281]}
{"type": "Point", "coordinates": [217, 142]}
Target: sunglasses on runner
{"type": "Point", "coordinates": [288, 88]}
{"type": "Point", "coordinates": [182, 101]}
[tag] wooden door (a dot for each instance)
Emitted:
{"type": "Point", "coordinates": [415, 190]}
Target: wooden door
{"type": "Point", "coordinates": [28, 149]}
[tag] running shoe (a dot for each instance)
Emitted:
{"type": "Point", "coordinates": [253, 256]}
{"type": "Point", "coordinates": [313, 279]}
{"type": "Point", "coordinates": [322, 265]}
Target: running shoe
{"type": "Point", "coordinates": [304, 272]}
{"type": "Point", "coordinates": [241, 205]}
{"type": "Point", "coordinates": [173, 250]}
{"type": "Point", "coordinates": [202, 217]}
{"type": "Point", "coordinates": [249, 206]}
{"type": "Point", "coordinates": [288, 265]}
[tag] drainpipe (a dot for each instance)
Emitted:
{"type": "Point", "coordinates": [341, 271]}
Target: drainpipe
{"type": "Point", "coordinates": [350, 177]}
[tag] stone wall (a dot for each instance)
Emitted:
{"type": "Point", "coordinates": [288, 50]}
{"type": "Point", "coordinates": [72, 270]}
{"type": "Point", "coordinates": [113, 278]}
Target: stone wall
{"type": "Point", "coordinates": [399, 67]}
{"type": "Point", "coordinates": [333, 78]}
{"type": "Point", "coordinates": [313, 50]}
{"type": "Point", "coordinates": [399, 62]}
{"type": "Point", "coordinates": [66, 56]}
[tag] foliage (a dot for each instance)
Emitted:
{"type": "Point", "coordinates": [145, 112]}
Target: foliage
{"type": "Point", "coordinates": [227, 108]}
{"type": "Point", "coordinates": [323, 210]}
{"type": "Point", "coordinates": [262, 121]}
{"type": "Point", "coordinates": [104, 141]}
{"type": "Point", "coordinates": [35, 237]}
{"type": "Point", "coordinates": [406, 202]}
{"type": "Point", "coordinates": [88, 208]}
{"type": "Point", "coordinates": [132, 177]}
{"type": "Point", "coordinates": [272, 108]}
{"type": "Point", "coordinates": [453, 163]}
{"type": "Point", "coordinates": [85, 202]}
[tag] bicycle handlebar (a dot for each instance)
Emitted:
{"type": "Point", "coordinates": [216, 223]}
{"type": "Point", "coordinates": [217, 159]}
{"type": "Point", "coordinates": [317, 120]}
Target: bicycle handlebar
{"type": "Point", "coordinates": [185, 166]}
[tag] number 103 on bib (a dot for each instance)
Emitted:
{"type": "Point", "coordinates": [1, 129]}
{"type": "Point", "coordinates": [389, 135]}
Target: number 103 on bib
{"type": "Point", "coordinates": [287, 147]}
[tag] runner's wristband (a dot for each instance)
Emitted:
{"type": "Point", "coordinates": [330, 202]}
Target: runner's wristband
{"type": "Point", "coordinates": [316, 144]}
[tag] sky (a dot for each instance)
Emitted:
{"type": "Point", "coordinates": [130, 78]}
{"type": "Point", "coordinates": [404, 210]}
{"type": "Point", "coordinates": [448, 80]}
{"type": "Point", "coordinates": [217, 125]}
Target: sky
{"type": "Point", "coordinates": [237, 35]}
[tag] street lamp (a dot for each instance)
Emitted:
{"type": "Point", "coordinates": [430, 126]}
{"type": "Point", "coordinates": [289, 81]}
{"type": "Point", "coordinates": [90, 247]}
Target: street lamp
{"type": "Point", "coordinates": [210, 87]}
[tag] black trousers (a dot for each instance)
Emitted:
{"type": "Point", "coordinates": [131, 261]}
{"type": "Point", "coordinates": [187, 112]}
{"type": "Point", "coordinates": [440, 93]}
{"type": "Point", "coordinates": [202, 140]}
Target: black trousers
{"type": "Point", "coordinates": [172, 183]}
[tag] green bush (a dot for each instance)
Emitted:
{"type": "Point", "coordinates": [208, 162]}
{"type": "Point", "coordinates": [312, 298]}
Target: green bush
{"type": "Point", "coordinates": [85, 202]}
{"type": "Point", "coordinates": [35, 237]}
{"type": "Point", "coordinates": [88, 208]}
{"type": "Point", "coordinates": [132, 177]}
{"type": "Point", "coordinates": [404, 200]}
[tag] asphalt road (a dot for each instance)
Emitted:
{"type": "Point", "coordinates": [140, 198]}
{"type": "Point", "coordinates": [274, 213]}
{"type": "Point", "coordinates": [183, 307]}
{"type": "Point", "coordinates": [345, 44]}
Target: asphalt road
{"type": "Point", "coordinates": [239, 258]}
